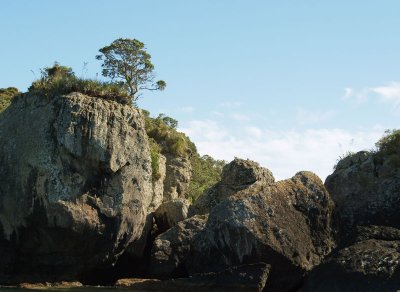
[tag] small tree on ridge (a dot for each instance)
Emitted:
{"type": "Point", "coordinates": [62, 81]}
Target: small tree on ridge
{"type": "Point", "coordinates": [127, 62]}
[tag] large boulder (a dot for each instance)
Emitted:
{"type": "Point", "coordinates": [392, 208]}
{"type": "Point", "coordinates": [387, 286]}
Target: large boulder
{"type": "Point", "coordinates": [76, 185]}
{"type": "Point", "coordinates": [238, 175]}
{"type": "Point", "coordinates": [370, 263]}
{"type": "Point", "coordinates": [252, 219]}
{"type": "Point", "coordinates": [168, 214]}
{"type": "Point", "coordinates": [171, 249]}
{"type": "Point", "coordinates": [178, 175]}
{"type": "Point", "coordinates": [366, 190]}
{"type": "Point", "coordinates": [286, 225]}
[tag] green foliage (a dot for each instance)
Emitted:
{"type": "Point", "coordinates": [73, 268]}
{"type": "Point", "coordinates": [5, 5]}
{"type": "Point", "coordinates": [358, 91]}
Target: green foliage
{"type": "Point", "coordinates": [389, 143]}
{"type": "Point", "coordinates": [6, 95]}
{"type": "Point", "coordinates": [170, 140]}
{"type": "Point", "coordinates": [206, 171]}
{"type": "Point", "coordinates": [59, 80]}
{"type": "Point", "coordinates": [57, 72]}
{"type": "Point", "coordinates": [164, 138]}
{"type": "Point", "coordinates": [155, 159]}
{"type": "Point", "coordinates": [126, 61]}
{"type": "Point", "coordinates": [170, 122]}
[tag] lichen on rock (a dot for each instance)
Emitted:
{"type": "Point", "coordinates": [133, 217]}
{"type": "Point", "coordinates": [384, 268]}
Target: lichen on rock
{"type": "Point", "coordinates": [76, 183]}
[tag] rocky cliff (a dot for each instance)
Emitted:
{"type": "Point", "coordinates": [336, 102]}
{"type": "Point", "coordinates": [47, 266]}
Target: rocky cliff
{"type": "Point", "coordinates": [252, 219]}
{"type": "Point", "coordinates": [366, 189]}
{"type": "Point", "coordinates": [76, 184]}
{"type": "Point", "coordinates": [81, 191]}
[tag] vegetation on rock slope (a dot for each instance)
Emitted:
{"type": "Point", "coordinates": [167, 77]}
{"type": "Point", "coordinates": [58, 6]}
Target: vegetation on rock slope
{"type": "Point", "coordinates": [165, 139]}
{"type": "Point", "coordinates": [388, 146]}
{"type": "Point", "coordinates": [389, 143]}
{"type": "Point", "coordinates": [58, 80]}
{"type": "Point", "coordinates": [6, 95]}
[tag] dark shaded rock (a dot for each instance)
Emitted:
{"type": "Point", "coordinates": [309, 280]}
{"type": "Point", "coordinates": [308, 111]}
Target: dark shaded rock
{"type": "Point", "coordinates": [361, 233]}
{"type": "Point", "coordinates": [243, 278]}
{"type": "Point", "coordinates": [286, 225]}
{"type": "Point", "coordinates": [168, 214]}
{"type": "Point", "coordinates": [237, 175]}
{"type": "Point", "coordinates": [171, 249]}
{"type": "Point", "coordinates": [367, 265]}
{"type": "Point", "coordinates": [366, 190]}
{"type": "Point", "coordinates": [75, 185]}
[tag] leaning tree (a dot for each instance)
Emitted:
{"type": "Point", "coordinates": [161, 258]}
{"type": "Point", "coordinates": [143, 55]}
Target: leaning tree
{"type": "Point", "coordinates": [126, 62]}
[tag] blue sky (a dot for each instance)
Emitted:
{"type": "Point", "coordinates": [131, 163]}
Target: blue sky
{"type": "Point", "coordinates": [290, 84]}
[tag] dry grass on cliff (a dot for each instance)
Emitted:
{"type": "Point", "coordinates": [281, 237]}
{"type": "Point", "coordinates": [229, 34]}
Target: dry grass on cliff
{"type": "Point", "coordinates": [66, 84]}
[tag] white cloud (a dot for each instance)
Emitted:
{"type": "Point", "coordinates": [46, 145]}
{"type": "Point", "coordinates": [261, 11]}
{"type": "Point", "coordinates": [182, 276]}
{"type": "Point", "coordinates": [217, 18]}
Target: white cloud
{"type": "Point", "coordinates": [187, 109]}
{"type": "Point", "coordinates": [231, 104]}
{"type": "Point", "coordinates": [305, 116]}
{"type": "Point", "coordinates": [389, 93]}
{"type": "Point", "coordinates": [218, 114]}
{"type": "Point", "coordinates": [240, 117]}
{"type": "Point", "coordinates": [283, 152]}
{"type": "Point", "coordinates": [357, 96]}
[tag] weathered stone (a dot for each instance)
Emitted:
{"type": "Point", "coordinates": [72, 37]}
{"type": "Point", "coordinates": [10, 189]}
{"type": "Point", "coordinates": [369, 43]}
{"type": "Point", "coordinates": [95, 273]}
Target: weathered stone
{"type": "Point", "coordinates": [367, 265]}
{"type": "Point", "coordinates": [178, 174]}
{"type": "Point", "coordinates": [238, 175]}
{"type": "Point", "coordinates": [286, 225]}
{"type": "Point", "coordinates": [366, 190]}
{"type": "Point", "coordinates": [47, 286]}
{"type": "Point", "coordinates": [171, 249]}
{"type": "Point", "coordinates": [140, 284]}
{"type": "Point", "coordinates": [246, 278]}
{"type": "Point", "coordinates": [158, 185]}
{"type": "Point", "coordinates": [75, 185]}
{"type": "Point", "coordinates": [170, 213]}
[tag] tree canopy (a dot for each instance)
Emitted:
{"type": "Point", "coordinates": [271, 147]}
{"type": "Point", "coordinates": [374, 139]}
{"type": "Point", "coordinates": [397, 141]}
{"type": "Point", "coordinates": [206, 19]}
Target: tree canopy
{"type": "Point", "coordinates": [127, 62]}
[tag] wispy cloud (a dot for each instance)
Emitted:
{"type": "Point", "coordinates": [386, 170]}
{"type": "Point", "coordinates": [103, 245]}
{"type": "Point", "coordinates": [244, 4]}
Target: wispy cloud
{"type": "Point", "coordinates": [389, 93]}
{"type": "Point", "coordinates": [240, 117]}
{"type": "Point", "coordinates": [309, 117]}
{"type": "Point", "coordinates": [283, 152]}
{"type": "Point", "coordinates": [187, 109]}
{"type": "Point", "coordinates": [231, 104]}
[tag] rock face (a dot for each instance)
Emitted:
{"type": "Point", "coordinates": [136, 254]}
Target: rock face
{"type": "Point", "coordinates": [170, 213]}
{"type": "Point", "coordinates": [75, 185]}
{"type": "Point", "coordinates": [252, 219]}
{"type": "Point", "coordinates": [371, 263]}
{"type": "Point", "coordinates": [158, 185]}
{"type": "Point", "coordinates": [286, 225]}
{"type": "Point", "coordinates": [366, 190]}
{"type": "Point", "coordinates": [238, 175]}
{"type": "Point", "coordinates": [178, 174]}
{"type": "Point", "coordinates": [171, 249]}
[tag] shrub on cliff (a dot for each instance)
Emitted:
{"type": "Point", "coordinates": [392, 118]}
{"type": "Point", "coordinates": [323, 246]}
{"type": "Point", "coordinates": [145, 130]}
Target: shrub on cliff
{"type": "Point", "coordinates": [6, 95]}
{"type": "Point", "coordinates": [389, 143]}
{"type": "Point", "coordinates": [164, 138]}
{"type": "Point", "coordinates": [155, 157]}
{"type": "Point", "coordinates": [206, 172]}
{"type": "Point", "coordinates": [59, 80]}
{"type": "Point", "coordinates": [170, 140]}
